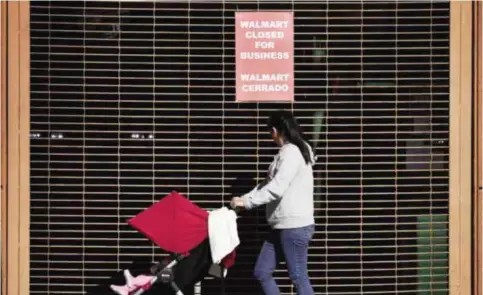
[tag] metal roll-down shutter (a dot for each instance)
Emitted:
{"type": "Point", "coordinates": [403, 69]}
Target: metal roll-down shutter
{"type": "Point", "coordinates": [131, 100]}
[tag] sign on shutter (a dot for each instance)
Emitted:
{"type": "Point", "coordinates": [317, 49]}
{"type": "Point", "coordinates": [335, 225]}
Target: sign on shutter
{"type": "Point", "coordinates": [264, 56]}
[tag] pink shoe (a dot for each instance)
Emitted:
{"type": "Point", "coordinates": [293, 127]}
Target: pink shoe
{"type": "Point", "coordinates": [132, 284]}
{"type": "Point", "coordinates": [121, 290]}
{"type": "Point", "coordinates": [128, 277]}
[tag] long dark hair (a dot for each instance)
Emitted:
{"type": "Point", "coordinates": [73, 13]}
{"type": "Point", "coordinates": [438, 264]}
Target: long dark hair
{"type": "Point", "coordinates": [286, 125]}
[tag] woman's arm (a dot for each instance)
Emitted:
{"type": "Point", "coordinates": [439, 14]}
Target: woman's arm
{"type": "Point", "coordinates": [273, 189]}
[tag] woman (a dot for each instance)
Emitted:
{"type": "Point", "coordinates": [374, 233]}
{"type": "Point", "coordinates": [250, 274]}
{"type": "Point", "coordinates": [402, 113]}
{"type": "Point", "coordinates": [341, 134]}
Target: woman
{"type": "Point", "coordinates": [288, 195]}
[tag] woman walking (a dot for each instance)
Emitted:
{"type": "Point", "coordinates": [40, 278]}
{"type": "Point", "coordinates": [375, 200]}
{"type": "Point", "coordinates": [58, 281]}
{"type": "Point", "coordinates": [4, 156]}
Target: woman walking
{"type": "Point", "coordinates": [288, 195]}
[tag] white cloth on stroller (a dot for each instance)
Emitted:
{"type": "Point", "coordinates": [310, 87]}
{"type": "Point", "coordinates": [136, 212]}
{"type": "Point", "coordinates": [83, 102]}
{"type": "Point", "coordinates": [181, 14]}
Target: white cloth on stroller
{"type": "Point", "coordinates": [222, 233]}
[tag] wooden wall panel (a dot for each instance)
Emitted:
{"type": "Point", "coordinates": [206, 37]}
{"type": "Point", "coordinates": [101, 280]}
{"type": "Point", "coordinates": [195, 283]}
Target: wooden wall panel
{"type": "Point", "coordinates": [460, 221]}
{"type": "Point", "coordinates": [15, 147]}
{"type": "Point", "coordinates": [3, 139]}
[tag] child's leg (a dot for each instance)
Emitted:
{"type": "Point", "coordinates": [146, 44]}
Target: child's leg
{"type": "Point", "coordinates": [132, 283]}
{"type": "Point", "coordinates": [141, 281]}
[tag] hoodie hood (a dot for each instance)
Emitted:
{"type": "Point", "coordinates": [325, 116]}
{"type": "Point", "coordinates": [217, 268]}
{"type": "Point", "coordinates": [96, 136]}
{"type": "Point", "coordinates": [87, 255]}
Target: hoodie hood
{"type": "Point", "coordinates": [313, 158]}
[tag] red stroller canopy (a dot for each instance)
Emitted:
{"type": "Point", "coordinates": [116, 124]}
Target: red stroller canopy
{"type": "Point", "coordinates": [174, 224]}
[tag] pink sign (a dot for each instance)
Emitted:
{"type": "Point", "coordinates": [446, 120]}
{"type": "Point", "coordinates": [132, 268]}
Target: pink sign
{"type": "Point", "coordinates": [264, 56]}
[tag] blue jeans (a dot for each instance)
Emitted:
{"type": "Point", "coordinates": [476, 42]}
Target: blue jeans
{"type": "Point", "coordinates": [292, 246]}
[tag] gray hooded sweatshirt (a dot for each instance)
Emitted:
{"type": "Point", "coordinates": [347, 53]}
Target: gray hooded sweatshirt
{"type": "Point", "coordinates": [288, 190]}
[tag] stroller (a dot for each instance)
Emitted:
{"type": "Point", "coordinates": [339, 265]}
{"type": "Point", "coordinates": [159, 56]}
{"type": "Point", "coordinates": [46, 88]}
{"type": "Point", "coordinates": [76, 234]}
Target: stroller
{"type": "Point", "coordinates": [181, 228]}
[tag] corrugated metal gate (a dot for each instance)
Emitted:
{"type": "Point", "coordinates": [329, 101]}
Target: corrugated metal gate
{"type": "Point", "coordinates": [132, 100]}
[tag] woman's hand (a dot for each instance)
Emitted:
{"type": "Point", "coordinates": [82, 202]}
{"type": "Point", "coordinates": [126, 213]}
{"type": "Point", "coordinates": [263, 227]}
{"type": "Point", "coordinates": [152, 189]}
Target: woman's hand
{"type": "Point", "coordinates": [236, 202]}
